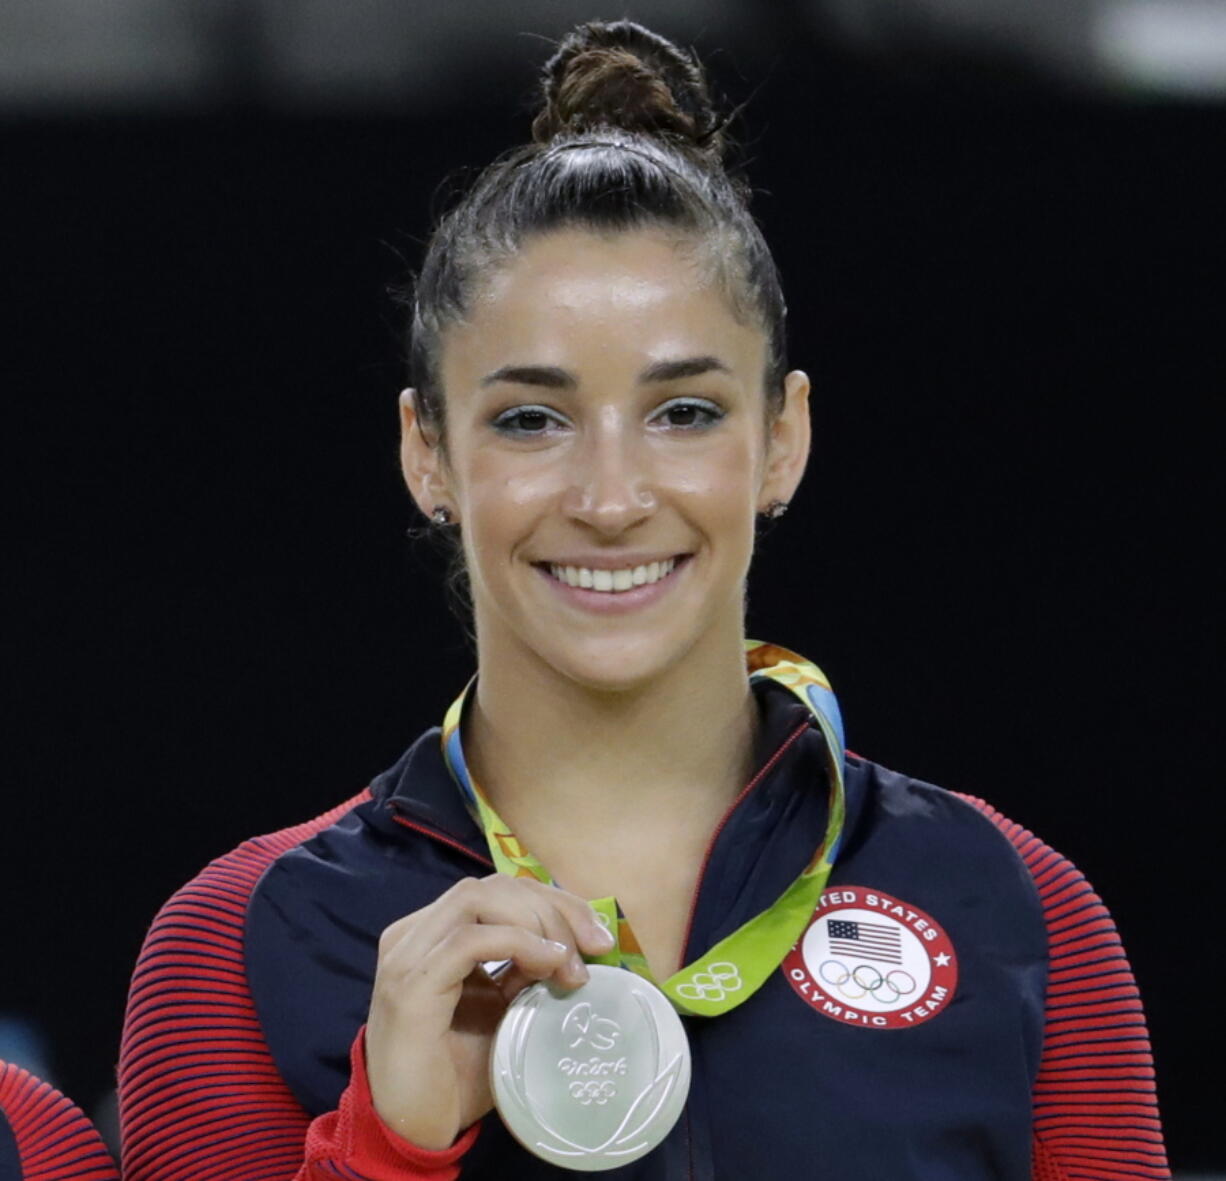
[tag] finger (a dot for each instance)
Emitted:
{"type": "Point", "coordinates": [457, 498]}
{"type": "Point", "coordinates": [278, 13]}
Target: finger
{"type": "Point", "coordinates": [583, 926]}
{"type": "Point", "coordinates": [445, 967]}
{"type": "Point", "coordinates": [470, 900]}
{"type": "Point", "coordinates": [591, 935]}
{"type": "Point", "coordinates": [555, 924]}
{"type": "Point", "coordinates": [493, 901]}
{"type": "Point", "coordinates": [498, 900]}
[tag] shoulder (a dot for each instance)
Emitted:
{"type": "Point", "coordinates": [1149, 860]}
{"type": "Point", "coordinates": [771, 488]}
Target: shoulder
{"type": "Point", "coordinates": [192, 958]}
{"type": "Point", "coordinates": [1059, 882]}
{"type": "Point", "coordinates": [978, 845]}
{"type": "Point", "coordinates": [960, 833]}
{"type": "Point", "coordinates": [1090, 976]}
{"type": "Point", "coordinates": [927, 807]}
{"type": "Point", "coordinates": [44, 1134]}
{"type": "Point", "coordinates": [193, 1048]}
{"type": "Point", "coordinates": [208, 911]}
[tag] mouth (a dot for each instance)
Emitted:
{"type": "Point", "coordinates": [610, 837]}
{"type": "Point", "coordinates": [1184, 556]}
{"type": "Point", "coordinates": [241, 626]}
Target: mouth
{"type": "Point", "coordinates": [616, 581]}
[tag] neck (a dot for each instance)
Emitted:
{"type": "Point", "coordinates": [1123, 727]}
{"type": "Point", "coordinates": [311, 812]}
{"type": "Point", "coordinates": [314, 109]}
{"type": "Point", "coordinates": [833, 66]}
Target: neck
{"type": "Point", "coordinates": [546, 750]}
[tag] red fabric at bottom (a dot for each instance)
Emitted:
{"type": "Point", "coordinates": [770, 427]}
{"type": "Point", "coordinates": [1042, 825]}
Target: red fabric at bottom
{"type": "Point", "coordinates": [354, 1142]}
{"type": "Point", "coordinates": [1043, 1165]}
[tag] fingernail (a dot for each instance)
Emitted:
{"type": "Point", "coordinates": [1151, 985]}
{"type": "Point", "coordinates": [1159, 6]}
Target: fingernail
{"type": "Point", "coordinates": [603, 936]}
{"type": "Point", "coordinates": [579, 968]}
{"type": "Point", "coordinates": [556, 945]}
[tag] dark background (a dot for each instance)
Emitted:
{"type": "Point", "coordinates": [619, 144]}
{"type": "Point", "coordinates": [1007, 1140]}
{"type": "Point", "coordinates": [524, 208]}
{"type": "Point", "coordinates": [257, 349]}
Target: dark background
{"type": "Point", "coordinates": [1007, 290]}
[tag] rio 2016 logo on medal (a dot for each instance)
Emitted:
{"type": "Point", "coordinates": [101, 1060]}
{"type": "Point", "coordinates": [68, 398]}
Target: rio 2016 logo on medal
{"type": "Point", "coordinates": [872, 960]}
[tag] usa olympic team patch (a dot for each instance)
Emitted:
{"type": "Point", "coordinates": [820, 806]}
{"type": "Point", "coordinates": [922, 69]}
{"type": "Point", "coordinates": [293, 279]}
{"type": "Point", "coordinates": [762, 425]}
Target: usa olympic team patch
{"type": "Point", "coordinates": [872, 960]}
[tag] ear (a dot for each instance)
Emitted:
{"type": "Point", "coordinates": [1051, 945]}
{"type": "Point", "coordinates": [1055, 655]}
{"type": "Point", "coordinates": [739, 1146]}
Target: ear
{"type": "Point", "coordinates": [787, 445]}
{"type": "Point", "coordinates": [421, 461]}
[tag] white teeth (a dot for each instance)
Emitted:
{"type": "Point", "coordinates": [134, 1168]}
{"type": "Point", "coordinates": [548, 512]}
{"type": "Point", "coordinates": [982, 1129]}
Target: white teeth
{"type": "Point", "coordinates": [613, 580]}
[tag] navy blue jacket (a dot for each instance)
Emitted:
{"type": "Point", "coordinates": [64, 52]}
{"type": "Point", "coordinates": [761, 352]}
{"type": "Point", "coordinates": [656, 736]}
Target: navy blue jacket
{"type": "Point", "coordinates": [776, 1085]}
{"type": "Point", "coordinates": [1012, 1073]}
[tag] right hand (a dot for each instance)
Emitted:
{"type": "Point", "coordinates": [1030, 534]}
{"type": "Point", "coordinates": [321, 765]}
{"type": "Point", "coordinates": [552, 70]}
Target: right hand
{"type": "Point", "coordinates": [434, 1010]}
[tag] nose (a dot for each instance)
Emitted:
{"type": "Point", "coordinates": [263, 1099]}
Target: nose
{"type": "Point", "coordinates": [611, 488]}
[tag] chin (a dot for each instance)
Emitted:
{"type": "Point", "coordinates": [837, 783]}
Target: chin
{"type": "Point", "coordinates": [614, 664]}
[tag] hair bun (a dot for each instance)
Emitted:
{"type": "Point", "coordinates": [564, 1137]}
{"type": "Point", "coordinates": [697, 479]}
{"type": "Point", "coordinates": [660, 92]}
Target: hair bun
{"type": "Point", "coordinates": [619, 74]}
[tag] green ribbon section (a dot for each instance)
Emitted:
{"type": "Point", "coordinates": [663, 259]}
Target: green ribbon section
{"type": "Point", "coordinates": [737, 966]}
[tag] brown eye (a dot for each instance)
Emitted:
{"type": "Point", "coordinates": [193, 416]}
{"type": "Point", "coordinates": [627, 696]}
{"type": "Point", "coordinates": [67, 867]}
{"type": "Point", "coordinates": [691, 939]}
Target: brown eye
{"type": "Point", "coordinates": [689, 414]}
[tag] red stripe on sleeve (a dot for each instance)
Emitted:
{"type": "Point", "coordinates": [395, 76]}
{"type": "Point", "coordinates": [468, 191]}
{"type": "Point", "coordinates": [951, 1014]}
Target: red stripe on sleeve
{"type": "Point", "coordinates": [201, 1098]}
{"type": "Point", "coordinates": [54, 1139]}
{"type": "Point", "coordinates": [1095, 1106]}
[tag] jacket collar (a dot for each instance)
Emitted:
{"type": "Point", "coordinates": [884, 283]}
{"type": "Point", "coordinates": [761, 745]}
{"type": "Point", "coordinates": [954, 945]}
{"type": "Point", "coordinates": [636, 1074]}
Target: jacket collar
{"type": "Point", "coordinates": [418, 789]}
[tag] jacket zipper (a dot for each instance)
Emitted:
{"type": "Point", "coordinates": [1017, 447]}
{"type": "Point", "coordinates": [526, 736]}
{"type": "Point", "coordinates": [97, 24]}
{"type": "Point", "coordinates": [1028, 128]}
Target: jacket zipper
{"type": "Point", "coordinates": [719, 828]}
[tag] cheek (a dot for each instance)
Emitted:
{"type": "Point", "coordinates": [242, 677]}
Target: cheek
{"type": "Point", "coordinates": [720, 486]}
{"type": "Point", "coordinates": [500, 501]}
{"type": "Point", "coordinates": [503, 486]}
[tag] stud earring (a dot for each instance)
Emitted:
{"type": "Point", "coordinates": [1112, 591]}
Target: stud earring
{"type": "Point", "coordinates": [775, 510]}
{"type": "Point", "coordinates": [442, 516]}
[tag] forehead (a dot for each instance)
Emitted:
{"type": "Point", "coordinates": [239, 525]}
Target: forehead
{"type": "Point", "coordinates": [589, 301]}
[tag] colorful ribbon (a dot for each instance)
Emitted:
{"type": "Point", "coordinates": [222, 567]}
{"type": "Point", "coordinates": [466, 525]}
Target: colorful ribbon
{"type": "Point", "coordinates": [738, 965]}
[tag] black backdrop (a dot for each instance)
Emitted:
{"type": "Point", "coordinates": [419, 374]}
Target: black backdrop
{"type": "Point", "coordinates": [1009, 300]}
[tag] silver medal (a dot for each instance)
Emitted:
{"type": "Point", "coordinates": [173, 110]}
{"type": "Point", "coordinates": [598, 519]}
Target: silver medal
{"type": "Point", "coordinates": [593, 1078]}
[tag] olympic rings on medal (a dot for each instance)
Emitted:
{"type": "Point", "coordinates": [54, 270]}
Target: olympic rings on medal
{"type": "Point", "coordinates": [589, 1091]}
{"type": "Point", "coordinates": [868, 980]}
{"type": "Point", "coordinates": [712, 985]}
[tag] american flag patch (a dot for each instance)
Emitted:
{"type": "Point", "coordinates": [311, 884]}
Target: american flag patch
{"type": "Point", "coordinates": [865, 941]}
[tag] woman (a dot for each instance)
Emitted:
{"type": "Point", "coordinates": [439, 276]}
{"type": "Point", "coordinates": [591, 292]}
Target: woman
{"type": "Point", "coordinates": [601, 410]}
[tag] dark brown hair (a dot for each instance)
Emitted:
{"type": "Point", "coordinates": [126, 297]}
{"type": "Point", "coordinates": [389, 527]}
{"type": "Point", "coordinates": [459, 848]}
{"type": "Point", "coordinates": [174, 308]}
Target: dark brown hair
{"type": "Point", "coordinates": [627, 138]}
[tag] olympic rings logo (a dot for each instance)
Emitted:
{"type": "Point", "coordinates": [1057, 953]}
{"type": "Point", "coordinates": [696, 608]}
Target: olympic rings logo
{"type": "Point", "coordinates": [854, 984]}
{"type": "Point", "coordinates": [590, 1091]}
{"type": "Point", "coordinates": [712, 985]}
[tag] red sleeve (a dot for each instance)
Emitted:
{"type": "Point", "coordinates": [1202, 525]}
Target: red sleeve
{"type": "Point", "coordinates": [54, 1140]}
{"type": "Point", "coordinates": [201, 1098]}
{"type": "Point", "coordinates": [353, 1142]}
{"type": "Point", "coordinates": [1095, 1107]}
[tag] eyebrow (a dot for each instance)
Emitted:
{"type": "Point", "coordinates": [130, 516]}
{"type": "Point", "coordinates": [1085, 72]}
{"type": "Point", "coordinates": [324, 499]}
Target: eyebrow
{"type": "Point", "coordinates": [551, 377]}
{"type": "Point", "coordinates": [689, 367]}
{"type": "Point", "coordinates": [544, 375]}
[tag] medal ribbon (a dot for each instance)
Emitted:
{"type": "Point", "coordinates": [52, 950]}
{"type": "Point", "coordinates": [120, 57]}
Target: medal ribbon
{"type": "Point", "coordinates": [738, 965]}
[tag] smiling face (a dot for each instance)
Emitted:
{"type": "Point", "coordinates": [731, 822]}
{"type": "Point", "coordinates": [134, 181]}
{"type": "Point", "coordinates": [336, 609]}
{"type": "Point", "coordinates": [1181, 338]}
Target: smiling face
{"type": "Point", "coordinates": [607, 451]}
